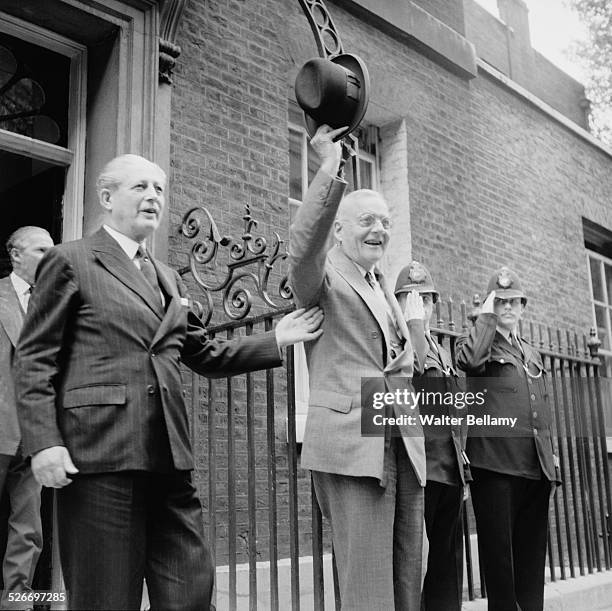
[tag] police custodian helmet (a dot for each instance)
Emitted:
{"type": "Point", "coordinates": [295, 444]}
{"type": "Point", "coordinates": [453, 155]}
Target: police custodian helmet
{"type": "Point", "coordinates": [506, 285]}
{"type": "Point", "coordinates": [415, 277]}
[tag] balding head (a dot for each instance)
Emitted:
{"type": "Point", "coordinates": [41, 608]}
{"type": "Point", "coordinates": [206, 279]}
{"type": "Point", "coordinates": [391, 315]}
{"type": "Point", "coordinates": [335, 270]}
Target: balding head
{"type": "Point", "coordinates": [131, 189]}
{"type": "Point", "coordinates": [362, 226]}
{"type": "Point", "coordinates": [115, 170]}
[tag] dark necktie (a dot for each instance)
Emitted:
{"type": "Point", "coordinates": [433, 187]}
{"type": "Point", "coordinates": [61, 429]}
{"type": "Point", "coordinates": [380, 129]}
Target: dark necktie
{"type": "Point", "coordinates": [26, 298]}
{"type": "Point", "coordinates": [369, 276]}
{"type": "Point", "coordinates": [516, 343]}
{"type": "Point", "coordinates": [148, 269]}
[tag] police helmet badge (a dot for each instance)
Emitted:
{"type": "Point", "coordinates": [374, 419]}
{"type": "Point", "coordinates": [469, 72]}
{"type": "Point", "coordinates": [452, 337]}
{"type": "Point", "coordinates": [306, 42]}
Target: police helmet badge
{"type": "Point", "coordinates": [417, 273]}
{"type": "Point", "coordinates": [504, 279]}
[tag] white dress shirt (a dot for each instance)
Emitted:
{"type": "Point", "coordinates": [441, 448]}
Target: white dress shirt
{"type": "Point", "coordinates": [129, 246]}
{"type": "Point", "coordinates": [22, 288]}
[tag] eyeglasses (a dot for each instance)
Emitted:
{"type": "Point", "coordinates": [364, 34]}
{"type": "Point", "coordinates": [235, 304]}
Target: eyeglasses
{"type": "Point", "coordinates": [369, 220]}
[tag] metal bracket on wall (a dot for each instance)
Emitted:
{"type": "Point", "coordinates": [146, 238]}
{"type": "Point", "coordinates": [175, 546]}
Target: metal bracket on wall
{"type": "Point", "coordinates": [323, 28]}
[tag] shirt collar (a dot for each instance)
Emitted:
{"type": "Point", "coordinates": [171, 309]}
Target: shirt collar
{"type": "Point", "coordinates": [19, 284]}
{"type": "Point", "coordinates": [508, 335]}
{"type": "Point", "coordinates": [129, 246]}
{"type": "Point", "coordinates": [364, 271]}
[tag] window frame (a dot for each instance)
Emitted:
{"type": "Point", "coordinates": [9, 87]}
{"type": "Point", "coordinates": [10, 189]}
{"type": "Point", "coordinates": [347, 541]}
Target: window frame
{"type": "Point", "coordinates": [362, 156]}
{"type": "Point", "coordinates": [606, 365]}
{"type": "Point", "coordinates": [71, 157]}
{"type": "Point", "coordinates": [607, 304]}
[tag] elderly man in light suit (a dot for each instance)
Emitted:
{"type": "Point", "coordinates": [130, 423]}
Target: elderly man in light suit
{"type": "Point", "coordinates": [369, 487]}
{"type": "Point", "coordinates": [25, 247]}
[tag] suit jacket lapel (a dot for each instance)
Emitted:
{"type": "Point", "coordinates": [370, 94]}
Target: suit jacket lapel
{"type": "Point", "coordinates": [173, 306]}
{"type": "Point", "coordinates": [11, 312]}
{"type": "Point", "coordinates": [348, 270]}
{"type": "Point", "coordinates": [113, 258]}
{"type": "Point", "coordinates": [403, 363]}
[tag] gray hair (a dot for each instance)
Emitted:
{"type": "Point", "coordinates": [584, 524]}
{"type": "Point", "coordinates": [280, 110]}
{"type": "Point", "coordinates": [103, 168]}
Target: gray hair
{"type": "Point", "coordinates": [353, 196]}
{"type": "Point", "coordinates": [18, 237]}
{"type": "Point", "coordinates": [112, 173]}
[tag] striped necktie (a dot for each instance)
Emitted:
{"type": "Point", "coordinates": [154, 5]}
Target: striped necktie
{"type": "Point", "coordinates": [148, 269]}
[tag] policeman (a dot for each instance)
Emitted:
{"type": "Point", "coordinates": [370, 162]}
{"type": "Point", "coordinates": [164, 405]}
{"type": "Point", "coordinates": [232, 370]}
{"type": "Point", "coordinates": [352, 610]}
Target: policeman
{"type": "Point", "coordinates": [514, 465]}
{"type": "Point", "coordinates": [447, 464]}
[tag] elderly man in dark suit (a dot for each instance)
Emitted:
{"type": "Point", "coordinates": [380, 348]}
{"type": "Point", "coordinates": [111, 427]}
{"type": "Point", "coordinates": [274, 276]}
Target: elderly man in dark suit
{"type": "Point", "coordinates": [369, 487]}
{"type": "Point", "coordinates": [25, 247]}
{"type": "Point", "coordinates": [101, 403]}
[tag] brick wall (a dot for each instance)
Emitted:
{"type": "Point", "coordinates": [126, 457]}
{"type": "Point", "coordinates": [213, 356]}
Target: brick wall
{"type": "Point", "coordinates": [490, 180]}
{"type": "Point", "coordinates": [558, 89]}
{"type": "Point", "coordinates": [529, 184]}
{"type": "Point", "coordinates": [449, 12]}
{"type": "Point", "coordinates": [488, 35]}
{"type": "Point", "coordinates": [508, 49]}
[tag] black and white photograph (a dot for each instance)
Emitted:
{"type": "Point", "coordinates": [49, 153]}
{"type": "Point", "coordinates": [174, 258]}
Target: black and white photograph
{"type": "Point", "coordinates": [305, 305]}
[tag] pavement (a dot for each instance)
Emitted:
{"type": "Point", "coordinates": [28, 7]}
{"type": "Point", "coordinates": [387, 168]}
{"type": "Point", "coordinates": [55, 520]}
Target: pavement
{"type": "Point", "coordinates": [588, 593]}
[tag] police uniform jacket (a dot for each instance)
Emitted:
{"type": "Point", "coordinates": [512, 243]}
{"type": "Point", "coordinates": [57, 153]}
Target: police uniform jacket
{"type": "Point", "coordinates": [515, 383]}
{"type": "Point", "coordinates": [444, 444]}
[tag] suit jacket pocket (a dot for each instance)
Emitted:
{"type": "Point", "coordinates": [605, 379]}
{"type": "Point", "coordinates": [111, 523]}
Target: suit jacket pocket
{"type": "Point", "coordinates": [332, 400]}
{"type": "Point", "coordinates": [97, 394]}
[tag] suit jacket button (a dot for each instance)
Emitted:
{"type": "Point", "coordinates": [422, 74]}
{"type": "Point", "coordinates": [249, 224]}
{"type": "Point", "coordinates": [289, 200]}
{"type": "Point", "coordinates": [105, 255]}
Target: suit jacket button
{"type": "Point", "coordinates": [151, 389]}
{"type": "Point", "coordinates": [533, 397]}
{"type": "Point", "coordinates": [502, 360]}
{"type": "Point", "coordinates": [374, 335]}
{"type": "Point", "coordinates": [535, 432]}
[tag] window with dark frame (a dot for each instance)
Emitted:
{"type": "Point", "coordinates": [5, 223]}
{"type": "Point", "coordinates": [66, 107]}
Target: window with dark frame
{"type": "Point", "coordinates": [598, 243]}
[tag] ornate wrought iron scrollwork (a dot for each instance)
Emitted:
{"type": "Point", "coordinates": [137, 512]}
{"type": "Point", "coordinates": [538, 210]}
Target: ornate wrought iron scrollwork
{"type": "Point", "coordinates": [323, 28]}
{"type": "Point", "coordinates": [249, 261]}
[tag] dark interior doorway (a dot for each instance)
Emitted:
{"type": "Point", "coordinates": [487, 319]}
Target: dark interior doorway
{"type": "Point", "coordinates": [31, 193]}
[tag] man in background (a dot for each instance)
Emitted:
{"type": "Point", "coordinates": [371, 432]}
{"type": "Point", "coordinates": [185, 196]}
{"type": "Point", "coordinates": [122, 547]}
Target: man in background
{"type": "Point", "coordinates": [25, 248]}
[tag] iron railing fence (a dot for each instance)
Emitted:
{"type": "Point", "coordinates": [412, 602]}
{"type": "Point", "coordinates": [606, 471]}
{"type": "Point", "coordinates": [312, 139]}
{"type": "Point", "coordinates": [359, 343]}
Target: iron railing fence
{"type": "Point", "coordinates": [265, 528]}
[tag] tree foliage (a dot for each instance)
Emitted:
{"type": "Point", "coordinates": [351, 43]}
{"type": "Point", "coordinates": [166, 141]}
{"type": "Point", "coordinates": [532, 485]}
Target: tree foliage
{"type": "Point", "coordinates": [596, 54]}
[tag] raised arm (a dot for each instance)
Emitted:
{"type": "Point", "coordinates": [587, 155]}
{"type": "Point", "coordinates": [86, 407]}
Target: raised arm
{"type": "Point", "coordinates": [314, 220]}
{"type": "Point", "coordinates": [474, 348]}
{"type": "Point", "coordinates": [414, 315]}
